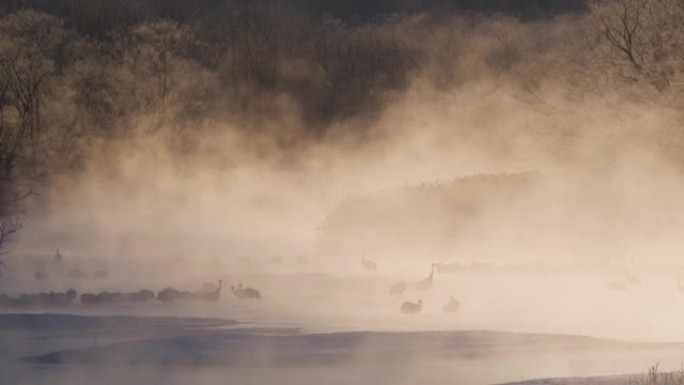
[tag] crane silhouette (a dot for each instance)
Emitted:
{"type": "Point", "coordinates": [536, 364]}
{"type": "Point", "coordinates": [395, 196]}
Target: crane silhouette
{"type": "Point", "coordinates": [398, 288]}
{"type": "Point", "coordinates": [368, 264]}
{"type": "Point", "coordinates": [411, 307]}
{"type": "Point", "coordinates": [451, 306]}
{"type": "Point", "coordinates": [426, 283]}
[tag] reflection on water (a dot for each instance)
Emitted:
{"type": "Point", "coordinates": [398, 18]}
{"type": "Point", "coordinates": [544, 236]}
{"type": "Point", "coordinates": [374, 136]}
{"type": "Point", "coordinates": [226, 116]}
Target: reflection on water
{"type": "Point", "coordinates": [536, 304]}
{"type": "Point", "coordinates": [477, 369]}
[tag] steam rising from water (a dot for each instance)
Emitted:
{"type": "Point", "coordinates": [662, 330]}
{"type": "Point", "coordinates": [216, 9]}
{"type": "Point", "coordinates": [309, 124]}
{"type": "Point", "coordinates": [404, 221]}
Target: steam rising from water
{"type": "Point", "coordinates": [601, 188]}
{"type": "Point", "coordinates": [233, 206]}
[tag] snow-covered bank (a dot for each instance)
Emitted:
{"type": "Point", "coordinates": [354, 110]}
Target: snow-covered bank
{"type": "Point", "coordinates": [643, 378]}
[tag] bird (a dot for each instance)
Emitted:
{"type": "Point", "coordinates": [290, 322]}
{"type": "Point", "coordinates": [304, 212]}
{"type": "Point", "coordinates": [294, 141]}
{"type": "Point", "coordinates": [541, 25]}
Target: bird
{"type": "Point", "coordinates": [368, 264]}
{"type": "Point", "coordinates": [237, 291]}
{"type": "Point", "coordinates": [451, 306]}
{"type": "Point", "coordinates": [89, 299]}
{"type": "Point", "coordinates": [38, 300]}
{"type": "Point", "coordinates": [111, 298]}
{"type": "Point", "coordinates": [40, 275]}
{"type": "Point", "coordinates": [411, 307]}
{"type": "Point", "coordinates": [72, 293]}
{"type": "Point", "coordinates": [77, 274]}
{"type": "Point", "coordinates": [245, 292]}
{"type": "Point", "coordinates": [106, 297]}
{"type": "Point", "coordinates": [398, 288]}
{"type": "Point", "coordinates": [251, 293]}
{"type": "Point", "coordinates": [101, 274]}
{"type": "Point", "coordinates": [169, 295]}
{"type": "Point", "coordinates": [63, 299]}
{"type": "Point", "coordinates": [7, 302]}
{"type": "Point", "coordinates": [206, 295]}
{"type": "Point", "coordinates": [34, 300]}
{"type": "Point", "coordinates": [139, 296]}
{"type": "Point", "coordinates": [426, 283]}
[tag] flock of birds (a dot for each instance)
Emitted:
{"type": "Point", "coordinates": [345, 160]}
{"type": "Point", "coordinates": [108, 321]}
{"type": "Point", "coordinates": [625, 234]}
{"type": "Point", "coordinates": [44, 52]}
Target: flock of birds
{"type": "Point", "coordinates": [38, 300]}
{"type": "Point", "coordinates": [74, 273]}
{"type": "Point", "coordinates": [424, 284]}
{"type": "Point", "coordinates": [208, 293]}
{"type": "Point", "coordinates": [453, 304]}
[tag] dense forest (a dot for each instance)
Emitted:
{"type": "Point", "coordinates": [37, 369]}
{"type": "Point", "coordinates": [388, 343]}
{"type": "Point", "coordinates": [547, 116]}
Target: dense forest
{"type": "Point", "coordinates": [78, 77]}
{"type": "Point", "coordinates": [98, 16]}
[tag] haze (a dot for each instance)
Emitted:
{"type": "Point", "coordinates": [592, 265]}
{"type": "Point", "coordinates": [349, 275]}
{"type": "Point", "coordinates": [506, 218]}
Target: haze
{"type": "Point", "coordinates": [320, 154]}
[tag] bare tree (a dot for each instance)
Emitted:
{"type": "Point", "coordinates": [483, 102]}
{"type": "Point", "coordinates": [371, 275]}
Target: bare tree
{"type": "Point", "coordinates": [157, 50]}
{"type": "Point", "coordinates": [29, 43]}
{"type": "Point", "coordinates": [10, 223]}
{"type": "Point", "coordinates": [644, 39]}
{"type": "Point", "coordinates": [29, 40]}
{"type": "Point", "coordinates": [622, 29]}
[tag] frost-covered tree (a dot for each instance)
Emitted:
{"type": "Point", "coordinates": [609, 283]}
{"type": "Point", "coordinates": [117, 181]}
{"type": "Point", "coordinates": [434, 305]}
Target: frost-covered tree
{"type": "Point", "coordinates": [643, 40]}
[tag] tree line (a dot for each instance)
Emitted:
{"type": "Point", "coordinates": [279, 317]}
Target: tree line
{"type": "Point", "coordinates": [74, 73]}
